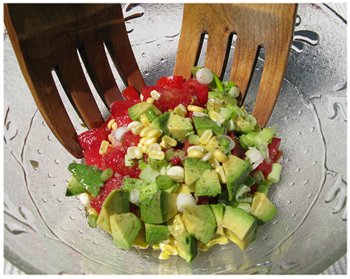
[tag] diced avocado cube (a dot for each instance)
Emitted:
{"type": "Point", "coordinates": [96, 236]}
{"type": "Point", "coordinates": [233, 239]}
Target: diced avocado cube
{"type": "Point", "coordinates": [179, 127]}
{"type": "Point", "coordinates": [218, 210]}
{"type": "Point", "coordinates": [164, 182]}
{"type": "Point", "coordinates": [239, 222]}
{"type": "Point", "coordinates": [130, 183]}
{"type": "Point", "coordinates": [245, 125]}
{"type": "Point", "coordinates": [177, 226]}
{"type": "Point", "coordinates": [275, 174]}
{"type": "Point", "coordinates": [263, 187]}
{"type": "Point", "coordinates": [141, 108]}
{"type": "Point", "coordinates": [202, 123]}
{"type": "Point", "coordinates": [200, 221]}
{"type": "Point", "coordinates": [147, 191]}
{"type": "Point", "coordinates": [242, 244]}
{"type": "Point", "coordinates": [156, 233]}
{"type": "Point", "coordinates": [193, 139]}
{"type": "Point", "coordinates": [194, 169]}
{"type": "Point", "coordinates": [116, 202]}
{"type": "Point", "coordinates": [158, 208]}
{"type": "Point", "coordinates": [236, 172]}
{"type": "Point", "coordinates": [161, 122]}
{"type": "Point", "coordinates": [208, 184]}
{"type": "Point", "coordinates": [125, 227]}
{"type": "Point", "coordinates": [74, 187]}
{"type": "Point", "coordinates": [262, 208]}
{"type": "Point", "coordinates": [187, 246]}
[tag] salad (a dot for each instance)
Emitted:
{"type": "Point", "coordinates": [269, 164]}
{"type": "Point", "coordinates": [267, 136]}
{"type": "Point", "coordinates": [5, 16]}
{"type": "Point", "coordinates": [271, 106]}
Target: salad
{"type": "Point", "coordinates": [179, 168]}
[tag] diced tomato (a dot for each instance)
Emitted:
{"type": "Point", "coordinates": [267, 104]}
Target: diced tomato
{"type": "Point", "coordinates": [135, 209]}
{"type": "Point", "coordinates": [176, 161]}
{"type": "Point", "coordinates": [119, 111]}
{"type": "Point", "coordinates": [273, 149]}
{"type": "Point", "coordinates": [253, 188]}
{"type": "Point", "coordinates": [113, 183]}
{"type": "Point", "coordinates": [186, 145]}
{"type": "Point", "coordinates": [171, 97]}
{"type": "Point", "coordinates": [146, 91]}
{"type": "Point", "coordinates": [265, 167]}
{"type": "Point", "coordinates": [171, 81]}
{"type": "Point", "coordinates": [200, 90]}
{"type": "Point", "coordinates": [203, 200]}
{"type": "Point", "coordinates": [129, 139]}
{"type": "Point", "coordinates": [130, 93]}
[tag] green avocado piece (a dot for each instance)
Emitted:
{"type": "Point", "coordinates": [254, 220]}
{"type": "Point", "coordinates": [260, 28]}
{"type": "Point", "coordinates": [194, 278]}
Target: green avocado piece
{"type": "Point", "coordinates": [239, 222]}
{"type": "Point", "coordinates": [242, 244]}
{"type": "Point", "coordinates": [147, 191]}
{"type": "Point", "coordinates": [187, 246]}
{"type": "Point", "coordinates": [194, 169]}
{"type": "Point", "coordinates": [202, 123]}
{"type": "Point", "coordinates": [74, 187]}
{"type": "Point", "coordinates": [158, 208]}
{"type": "Point", "coordinates": [156, 233]}
{"type": "Point", "coordinates": [138, 109]}
{"type": "Point", "coordinates": [208, 184]}
{"type": "Point", "coordinates": [164, 182]}
{"type": "Point", "coordinates": [179, 127]}
{"type": "Point", "coordinates": [125, 227]}
{"type": "Point", "coordinates": [161, 122]}
{"type": "Point", "coordinates": [262, 208]}
{"type": "Point", "coordinates": [130, 183]}
{"type": "Point", "coordinates": [218, 210]}
{"type": "Point", "coordinates": [236, 172]}
{"type": "Point", "coordinates": [91, 177]}
{"type": "Point", "coordinates": [200, 221]}
{"type": "Point", "coordinates": [116, 202]}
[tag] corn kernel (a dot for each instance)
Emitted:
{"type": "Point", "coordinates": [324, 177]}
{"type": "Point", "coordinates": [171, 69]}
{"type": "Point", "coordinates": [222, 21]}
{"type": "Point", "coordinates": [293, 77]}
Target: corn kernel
{"type": "Point", "coordinates": [180, 110]}
{"type": "Point", "coordinates": [114, 126]}
{"type": "Point", "coordinates": [154, 147]}
{"type": "Point", "coordinates": [195, 154]}
{"type": "Point", "coordinates": [217, 117]}
{"type": "Point", "coordinates": [145, 130]}
{"type": "Point", "coordinates": [103, 147]}
{"type": "Point", "coordinates": [135, 127]}
{"type": "Point", "coordinates": [170, 141]}
{"type": "Point", "coordinates": [134, 152]}
{"type": "Point", "coordinates": [170, 249]}
{"type": "Point", "coordinates": [144, 149]}
{"type": "Point", "coordinates": [221, 173]}
{"type": "Point", "coordinates": [158, 155]}
{"type": "Point", "coordinates": [164, 145]}
{"type": "Point", "coordinates": [150, 100]}
{"type": "Point", "coordinates": [195, 108]}
{"type": "Point", "coordinates": [110, 123]}
{"type": "Point", "coordinates": [163, 255]}
{"type": "Point", "coordinates": [177, 173]}
{"type": "Point", "coordinates": [149, 141]}
{"type": "Point", "coordinates": [206, 136]}
{"type": "Point", "coordinates": [155, 95]}
{"type": "Point", "coordinates": [220, 156]}
{"type": "Point", "coordinates": [214, 163]}
{"type": "Point", "coordinates": [207, 157]}
{"type": "Point", "coordinates": [144, 120]}
{"type": "Point", "coordinates": [91, 211]}
{"type": "Point", "coordinates": [154, 133]}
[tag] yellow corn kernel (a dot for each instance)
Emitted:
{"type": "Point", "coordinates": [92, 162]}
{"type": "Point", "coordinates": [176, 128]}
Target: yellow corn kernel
{"type": "Point", "coordinates": [214, 163]}
{"type": "Point", "coordinates": [150, 100]}
{"type": "Point", "coordinates": [164, 145]}
{"type": "Point", "coordinates": [206, 136]}
{"type": "Point", "coordinates": [155, 95]}
{"type": "Point", "coordinates": [217, 117]}
{"type": "Point", "coordinates": [218, 240]}
{"type": "Point", "coordinates": [180, 110]}
{"type": "Point", "coordinates": [135, 127]}
{"type": "Point", "coordinates": [134, 152]}
{"type": "Point", "coordinates": [149, 141]}
{"type": "Point", "coordinates": [222, 177]}
{"type": "Point", "coordinates": [184, 189]}
{"type": "Point", "coordinates": [158, 155]}
{"type": "Point", "coordinates": [154, 147]}
{"type": "Point", "coordinates": [170, 141]}
{"type": "Point", "coordinates": [91, 211]}
{"type": "Point", "coordinates": [163, 255]}
{"type": "Point", "coordinates": [144, 148]}
{"type": "Point", "coordinates": [144, 120]}
{"type": "Point", "coordinates": [195, 153]}
{"type": "Point", "coordinates": [114, 126]}
{"type": "Point", "coordinates": [103, 147]}
{"type": "Point", "coordinates": [195, 108]}
{"type": "Point", "coordinates": [220, 156]}
{"type": "Point", "coordinates": [110, 123]}
{"type": "Point", "coordinates": [207, 157]}
{"type": "Point", "coordinates": [170, 249]}
{"type": "Point", "coordinates": [154, 133]}
{"type": "Point", "coordinates": [176, 173]}
{"type": "Point", "coordinates": [145, 130]}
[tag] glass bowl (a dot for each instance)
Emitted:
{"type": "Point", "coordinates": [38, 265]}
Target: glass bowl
{"type": "Point", "coordinates": [44, 232]}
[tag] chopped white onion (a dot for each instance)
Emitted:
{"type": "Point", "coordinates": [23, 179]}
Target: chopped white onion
{"type": "Point", "coordinates": [255, 157]}
{"type": "Point", "coordinates": [84, 199]}
{"type": "Point", "coordinates": [199, 114]}
{"type": "Point", "coordinates": [234, 92]}
{"type": "Point", "coordinates": [184, 200]}
{"type": "Point", "coordinates": [134, 196]}
{"type": "Point", "coordinates": [204, 76]}
{"type": "Point", "coordinates": [119, 133]}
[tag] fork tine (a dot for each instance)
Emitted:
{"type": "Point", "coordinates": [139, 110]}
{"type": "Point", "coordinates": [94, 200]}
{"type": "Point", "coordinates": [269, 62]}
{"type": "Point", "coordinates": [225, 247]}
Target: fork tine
{"type": "Point", "coordinates": [120, 49]}
{"type": "Point", "coordinates": [217, 51]}
{"type": "Point", "coordinates": [97, 66]}
{"type": "Point", "coordinates": [270, 83]}
{"type": "Point", "coordinates": [75, 85]}
{"type": "Point", "coordinates": [245, 53]}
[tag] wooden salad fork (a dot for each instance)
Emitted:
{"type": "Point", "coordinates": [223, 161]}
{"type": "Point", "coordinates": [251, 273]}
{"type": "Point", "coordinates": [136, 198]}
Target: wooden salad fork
{"type": "Point", "coordinates": [269, 26]}
{"type": "Point", "coordinates": [46, 37]}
